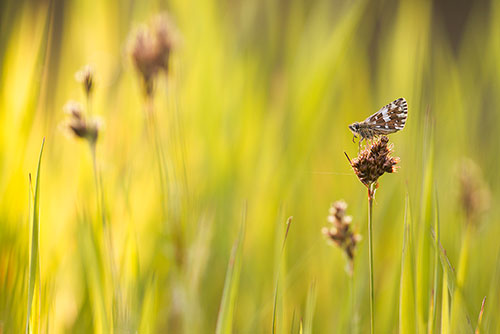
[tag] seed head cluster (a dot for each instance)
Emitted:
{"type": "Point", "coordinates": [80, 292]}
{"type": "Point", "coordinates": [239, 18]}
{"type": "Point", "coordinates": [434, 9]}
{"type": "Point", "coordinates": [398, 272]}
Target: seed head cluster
{"type": "Point", "coordinates": [79, 125]}
{"type": "Point", "coordinates": [474, 192]}
{"type": "Point", "coordinates": [85, 76]}
{"type": "Point", "coordinates": [340, 231]}
{"type": "Point", "coordinates": [151, 48]}
{"type": "Point", "coordinates": [374, 161]}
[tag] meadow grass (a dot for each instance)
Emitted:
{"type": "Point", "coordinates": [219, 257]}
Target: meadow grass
{"type": "Point", "coordinates": [174, 221]}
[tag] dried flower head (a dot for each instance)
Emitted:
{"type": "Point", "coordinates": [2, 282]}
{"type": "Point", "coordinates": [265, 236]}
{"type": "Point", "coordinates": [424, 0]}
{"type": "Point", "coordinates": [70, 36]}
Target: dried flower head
{"type": "Point", "coordinates": [79, 125]}
{"type": "Point", "coordinates": [85, 76]}
{"type": "Point", "coordinates": [474, 192]}
{"type": "Point", "coordinates": [374, 161]}
{"type": "Point", "coordinates": [340, 232]}
{"type": "Point", "coordinates": [165, 34]}
{"type": "Point", "coordinates": [151, 49]}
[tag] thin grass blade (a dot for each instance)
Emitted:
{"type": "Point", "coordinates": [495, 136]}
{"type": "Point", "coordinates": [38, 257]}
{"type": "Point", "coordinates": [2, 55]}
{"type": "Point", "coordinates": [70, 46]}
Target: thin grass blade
{"type": "Point", "coordinates": [35, 241]}
{"type": "Point", "coordinates": [288, 224]}
{"type": "Point", "coordinates": [310, 306]}
{"type": "Point", "coordinates": [433, 303]}
{"type": "Point", "coordinates": [445, 306]}
{"type": "Point", "coordinates": [480, 318]}
{"type": "Point", "coordinates": [231, 283]}
{"type": "Point", "coordinates": [423, 286]}
{"type": "Point", "coordinates": [407, 303]}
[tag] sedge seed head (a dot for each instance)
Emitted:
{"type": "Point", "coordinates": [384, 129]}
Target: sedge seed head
{"type": "Point", "coordinates": [85, 76]}
{"type": "Point", "coordinates": [474, 193]}
{"type": "Point", "coordinates": [340, 231]}
{"type": "Point", "coordinates": [374, 161]}
{"type": "Point", "coordinates": [151, 47]}
{"type": "Point", "coordinates": [79, 125]}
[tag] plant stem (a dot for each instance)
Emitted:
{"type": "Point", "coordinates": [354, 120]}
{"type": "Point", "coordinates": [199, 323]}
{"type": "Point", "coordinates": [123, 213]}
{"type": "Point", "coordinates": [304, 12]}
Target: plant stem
{"type": "Point", "coordinates": [371, 194]}
{"type": "Point", "coordinates": [98, 185]}
{"type": "Point", "coordinates": [108, 240]}
{"type": "Point", "coordinates": [353, 304]}
{"type": "Point", "coordinates": [154, 135]}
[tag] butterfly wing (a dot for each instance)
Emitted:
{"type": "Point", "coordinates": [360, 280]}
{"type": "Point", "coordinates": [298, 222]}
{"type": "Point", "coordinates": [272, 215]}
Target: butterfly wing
{"type": "Point", "coordinates": [390, 118]}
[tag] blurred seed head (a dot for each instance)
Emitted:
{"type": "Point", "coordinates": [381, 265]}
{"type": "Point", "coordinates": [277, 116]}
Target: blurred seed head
{"type": "Point", "coordinates": [474, 195]}
{"type": "Point", "coordinates": [374, 161]}
{"type": "Point", "coordinates": [144, 57]}
{"type": "Point", "coordinates": [340, 231]}
{"type": "Point", "coordinates": [165, 34]}
{"type": "Point", "coordinates": [78, 125]}
{"type": "Point", "coordinates": [85, 76]}
{"type": "Point", "coordinates": [151, 47]}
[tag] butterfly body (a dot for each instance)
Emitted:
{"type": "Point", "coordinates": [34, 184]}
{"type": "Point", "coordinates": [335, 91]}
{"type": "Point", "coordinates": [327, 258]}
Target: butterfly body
{"type": "Point", "coordinates": [389, 119]}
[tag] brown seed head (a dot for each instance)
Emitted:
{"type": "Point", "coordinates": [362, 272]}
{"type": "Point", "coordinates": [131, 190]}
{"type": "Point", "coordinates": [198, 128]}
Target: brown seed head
{"type": "Point", "coordinates": [86, 77]}
{"type": "Point", "coordinates": [164, 32]}
{"type": "Point", "coordinates": [144, 58]}
{"type": "Point", "coordinates": [340, 233]}
{"type": "Point", "coordinates": [151, 49]}
{"type": "Point", "coordinates": [474, 192]}
{"type": "Point", "coordinates": [374, 161]}
{"type": "Point", "coordinates": [79, 125]}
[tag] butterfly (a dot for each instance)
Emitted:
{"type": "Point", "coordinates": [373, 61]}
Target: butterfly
{"type": "Point", "coordinates": [389, 119]}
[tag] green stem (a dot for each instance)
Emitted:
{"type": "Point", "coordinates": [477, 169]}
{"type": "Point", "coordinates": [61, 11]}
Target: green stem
{"type": "Point", "coordinates": [353, 305]}
{"type": "Point", "coordinates": [89, 107]}
{"type": "Point", "coordinates": [108, 240]}
{"type": "Point", "coordinates": [371, 194]}
{"type": "Point", "coordinates": [98, 185]}
{"type": "Point", "coordinates": [154, 135]}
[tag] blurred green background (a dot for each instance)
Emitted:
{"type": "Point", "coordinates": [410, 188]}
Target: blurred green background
{"type": "Point", "coordinates": [253, 121]}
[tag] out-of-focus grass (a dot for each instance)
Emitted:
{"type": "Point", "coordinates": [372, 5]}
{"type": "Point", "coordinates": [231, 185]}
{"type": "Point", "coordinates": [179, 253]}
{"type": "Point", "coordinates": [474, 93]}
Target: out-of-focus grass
{"type": "Point", "coordinates": [33, 312]}
{"type": "Point", "coordinates": [255, 109]}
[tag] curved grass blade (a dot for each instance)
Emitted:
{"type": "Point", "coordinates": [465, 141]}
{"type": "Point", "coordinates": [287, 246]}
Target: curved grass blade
{"type": "Point", "coordinates": [407, 302]}
{"type": "Point", "coordinates": [310, 306]}
{"type": "Point", "coordinates": [480, 318]}
{"type": "Point", "coordinates": [35, 241]}
{"type": "Point", "coordinates": [288, 223]}
{"type": "Point", "coordinates": [433, 307]}
{"type": "Point", "coordinates": [231, 283]}
{"type": "Point", "coordinates": [445, 306]}
{"type": "Point", "coordinates": [423, 280]}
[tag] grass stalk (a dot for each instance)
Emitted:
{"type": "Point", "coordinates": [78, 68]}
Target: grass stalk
{"type": "Point", "coordinates": [459, 316]}
{"type": "Point", "coordinates": [288, 223]}
{"type": "Point", "coordinates": [34, 266]}
{"type": "Point", "coordinates": [354, 316]}
{"type": "Point", "coordinates": [445, 306]}
{"type": "Point", "coordinates": [98, 185]}
{"type": "Point", "coordinates": [310, 308]}
{"type": "Point", "coordinates": [231, 283]}
{"type": "Point", "coordinates": [156, 143]}
{"type": "Point", "coordinates": [371, 195]}
{"type": "Point", "coordinates": [433, 307]}
{"type": "Point", "coordinates": [106, 229]}
{"type": "Point", "coordinates": [480, 317]}
{"type": "Point", "coordinates": [407, 301]}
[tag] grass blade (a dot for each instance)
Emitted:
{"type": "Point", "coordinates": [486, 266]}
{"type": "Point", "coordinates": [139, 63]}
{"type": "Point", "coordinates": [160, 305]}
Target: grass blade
{"type": "Point", "coordinates": [459, 317]}
{"type": "Point", "coordinates": [310, 306]}
{"type": "Point", "coordinates": [288, 223]}
{"type": "Point", "coordinates": [445, 306]}
{"type": "Point", "coordinates": [407, 306]}
{"type": "Point", "coordinates": [480, 318]}
{"type": "Point", "coordinates": [35, 241]}
{"type": "Point", "coordinates": [424, 256]}
{"type": "Point", "coordinates": [225, 317]}
{"type": "Point", "coordinates": [432, 312]}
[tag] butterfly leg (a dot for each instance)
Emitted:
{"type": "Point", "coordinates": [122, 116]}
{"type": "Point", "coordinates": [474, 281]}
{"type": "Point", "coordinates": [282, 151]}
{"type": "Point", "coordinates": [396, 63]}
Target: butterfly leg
{"type": "Point", "coordinates": [359, 143]}
{"type": "Point", "coordinates": [354, 136]}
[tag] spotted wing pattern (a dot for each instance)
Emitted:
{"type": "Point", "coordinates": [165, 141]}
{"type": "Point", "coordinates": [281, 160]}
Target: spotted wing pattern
{"type": "Point", "coordinates": [389, 118]}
